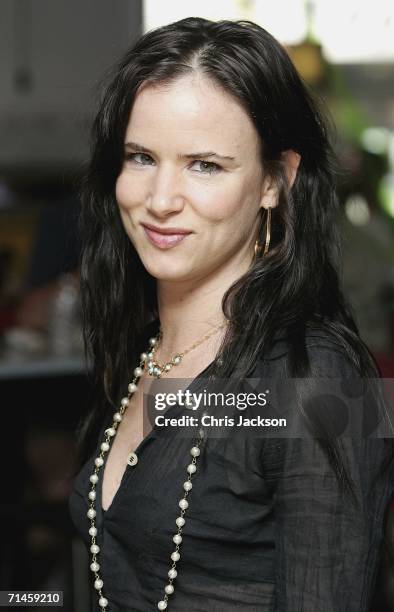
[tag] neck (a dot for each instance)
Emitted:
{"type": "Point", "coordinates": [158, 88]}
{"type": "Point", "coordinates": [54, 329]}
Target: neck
{"type": "Point", "coordinates": [189, 310]}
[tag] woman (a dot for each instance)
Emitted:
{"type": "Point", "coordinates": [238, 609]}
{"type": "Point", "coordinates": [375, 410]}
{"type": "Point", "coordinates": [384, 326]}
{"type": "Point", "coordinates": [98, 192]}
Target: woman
{"type": "Point", "coordinates": [210, 246]}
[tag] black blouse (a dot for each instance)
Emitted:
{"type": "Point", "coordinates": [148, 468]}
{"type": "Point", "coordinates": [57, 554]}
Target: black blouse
{"type": "Point", "coordinates": [267, 528]}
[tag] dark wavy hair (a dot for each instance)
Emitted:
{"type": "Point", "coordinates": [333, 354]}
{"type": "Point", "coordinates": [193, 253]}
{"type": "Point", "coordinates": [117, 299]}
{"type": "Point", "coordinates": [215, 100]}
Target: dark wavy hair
{"type": "Point", "coordinates": [293, 287]}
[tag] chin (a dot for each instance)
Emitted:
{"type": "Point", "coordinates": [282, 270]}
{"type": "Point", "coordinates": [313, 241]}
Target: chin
{"type": "Point", "coordinates": [168, 270]}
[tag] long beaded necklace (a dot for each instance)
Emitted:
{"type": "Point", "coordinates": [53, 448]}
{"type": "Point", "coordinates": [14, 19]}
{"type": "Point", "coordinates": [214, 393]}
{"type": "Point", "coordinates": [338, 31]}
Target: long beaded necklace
{"type": "Point", "coordinates": [156, 370]}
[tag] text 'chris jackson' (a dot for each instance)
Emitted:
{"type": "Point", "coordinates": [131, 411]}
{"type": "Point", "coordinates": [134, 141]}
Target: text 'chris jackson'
{"type": "Point", "coordinates": [209, 420]}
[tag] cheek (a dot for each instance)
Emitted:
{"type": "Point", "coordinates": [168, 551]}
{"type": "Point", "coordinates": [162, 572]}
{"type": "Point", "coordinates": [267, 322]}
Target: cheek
{"type": "Point", "coordinates": [127, 192]}
{"type": "Point", "coordinates": [230, 206]}
{"type": "Point", "coordinates": [121, 191]}
{"type": "Point", "coordinates": [219, 204]}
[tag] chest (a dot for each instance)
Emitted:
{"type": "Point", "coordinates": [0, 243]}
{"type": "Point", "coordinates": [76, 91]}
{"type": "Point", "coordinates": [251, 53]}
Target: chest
{"type": "Point", "coordinates": [135, 426]}
{"type": "Point", "coordinates": [228, 504]}
{"type": "Point", "coordinates": [130, 434]}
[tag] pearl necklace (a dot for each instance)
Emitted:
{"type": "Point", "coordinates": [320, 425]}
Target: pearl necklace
{"type": "Point", "coordinates": [105, 446]}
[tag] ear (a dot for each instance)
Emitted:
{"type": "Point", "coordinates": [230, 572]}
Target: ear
{"type": "Point", "coordinates": [291, 160]}
{"type": "Point", "coordinates": [269, 197]}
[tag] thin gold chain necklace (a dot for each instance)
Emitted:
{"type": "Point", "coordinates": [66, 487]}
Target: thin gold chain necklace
{"type": "Point", "coordinates": [109, 435]}
{"type": "Point", "coordinates": [157, 370]}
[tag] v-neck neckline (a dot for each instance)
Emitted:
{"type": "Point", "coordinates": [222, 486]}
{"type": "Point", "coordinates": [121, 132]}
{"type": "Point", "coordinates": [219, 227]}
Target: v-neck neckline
{"type": "Point", "coordinates": [152, 435]}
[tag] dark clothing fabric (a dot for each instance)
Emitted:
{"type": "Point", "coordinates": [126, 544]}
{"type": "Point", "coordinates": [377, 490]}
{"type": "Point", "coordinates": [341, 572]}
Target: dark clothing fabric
{"type": "Point", "coordinates": [267, 528]}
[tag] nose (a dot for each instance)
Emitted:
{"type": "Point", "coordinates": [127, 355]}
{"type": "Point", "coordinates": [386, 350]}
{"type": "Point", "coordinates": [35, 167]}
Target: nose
{"type": "Point", "coordinates": [164, 196]}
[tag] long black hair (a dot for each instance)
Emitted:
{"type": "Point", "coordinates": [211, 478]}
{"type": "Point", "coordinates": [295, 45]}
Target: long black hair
{"type": "Point", "coordinates": [293, 287]}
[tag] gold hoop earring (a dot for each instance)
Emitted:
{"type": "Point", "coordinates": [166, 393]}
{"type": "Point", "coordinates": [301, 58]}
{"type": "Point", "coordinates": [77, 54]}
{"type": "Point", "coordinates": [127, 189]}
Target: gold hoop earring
{"type": "Point", "coordinates": [267, 231]}
{"type": "Point", "coordinates": [258, 247]}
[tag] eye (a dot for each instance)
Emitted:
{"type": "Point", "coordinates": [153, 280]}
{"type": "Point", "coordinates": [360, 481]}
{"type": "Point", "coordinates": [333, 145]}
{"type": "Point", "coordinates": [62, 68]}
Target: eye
{"type": "Point", "coordinates": [133, 157]}
{"type": "Point", "coordinates": [143, 159]}
{"type": "Point", "coordinates": [207, 167]}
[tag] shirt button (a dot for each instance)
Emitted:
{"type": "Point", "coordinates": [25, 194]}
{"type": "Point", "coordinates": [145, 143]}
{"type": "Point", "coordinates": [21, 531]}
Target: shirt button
{"type": "Point", "coordinates": [132, 459]}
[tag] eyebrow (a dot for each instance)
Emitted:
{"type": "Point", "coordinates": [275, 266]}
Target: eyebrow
{"type": "Point", "coordinates": [139, 147]}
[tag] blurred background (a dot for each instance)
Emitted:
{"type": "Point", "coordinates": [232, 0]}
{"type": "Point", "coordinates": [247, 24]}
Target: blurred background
{"type": "Point", "coordinates": [53, 54]}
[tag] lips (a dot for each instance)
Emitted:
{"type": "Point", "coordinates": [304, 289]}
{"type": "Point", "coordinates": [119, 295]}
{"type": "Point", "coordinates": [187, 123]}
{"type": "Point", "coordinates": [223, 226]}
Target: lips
{"type": "Point", "coordinates": [165, 238]}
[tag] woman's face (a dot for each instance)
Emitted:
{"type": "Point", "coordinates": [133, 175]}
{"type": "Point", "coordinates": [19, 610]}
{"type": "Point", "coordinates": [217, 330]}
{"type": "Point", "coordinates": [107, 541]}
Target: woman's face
{"type": "Point", "coordinates": [191, 185]}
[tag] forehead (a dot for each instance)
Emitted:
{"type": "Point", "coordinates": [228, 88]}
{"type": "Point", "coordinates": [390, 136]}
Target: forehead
{"type": "Point", "coordinates": [194, 107]}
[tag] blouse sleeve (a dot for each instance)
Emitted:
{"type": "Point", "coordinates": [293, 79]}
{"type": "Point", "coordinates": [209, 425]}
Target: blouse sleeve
{"type": "Point", "coordinates": [327, 543]}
